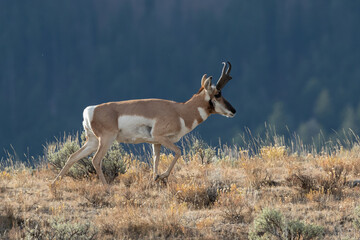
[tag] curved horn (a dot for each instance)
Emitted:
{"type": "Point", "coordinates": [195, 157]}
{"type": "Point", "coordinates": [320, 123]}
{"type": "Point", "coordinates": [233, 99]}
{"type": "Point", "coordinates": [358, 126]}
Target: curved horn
{"type": "Point", "coordinates": [225, 77]}
{"type": "Point", "coordinates": [229, 69]}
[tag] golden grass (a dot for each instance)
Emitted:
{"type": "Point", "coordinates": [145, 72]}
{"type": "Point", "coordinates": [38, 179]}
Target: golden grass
{"type": "Point", "coordinates": [213, 200]}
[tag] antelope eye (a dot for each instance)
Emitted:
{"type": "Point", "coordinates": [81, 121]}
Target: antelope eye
{"type": "Point", "coordinates": [217, 95]}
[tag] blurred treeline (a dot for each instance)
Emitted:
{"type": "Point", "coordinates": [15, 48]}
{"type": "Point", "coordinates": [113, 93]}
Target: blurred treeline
{"type": "Point", "coordinates": [295, 63]}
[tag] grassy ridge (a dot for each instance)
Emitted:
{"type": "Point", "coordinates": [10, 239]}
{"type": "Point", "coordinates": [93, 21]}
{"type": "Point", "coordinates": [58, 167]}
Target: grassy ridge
{"type": "Point", "coordinates": [276, 191]}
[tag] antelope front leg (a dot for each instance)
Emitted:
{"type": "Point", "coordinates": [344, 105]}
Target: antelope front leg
{"type": "Point", "coordinates": [156, 155]}
{"type": "Point", "coordinates": [168, 144]}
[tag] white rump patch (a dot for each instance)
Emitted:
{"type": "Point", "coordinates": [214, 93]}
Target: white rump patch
{"type": "Point", "coordinates": [203, 113]}
{"type": "Point", "coordinates": [135, 129]}
{"type": "Point", "coordinates": [88, 115]}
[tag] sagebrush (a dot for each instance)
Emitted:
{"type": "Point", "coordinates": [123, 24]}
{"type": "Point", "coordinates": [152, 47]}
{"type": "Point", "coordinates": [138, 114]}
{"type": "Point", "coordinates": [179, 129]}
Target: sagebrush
{"type": "Point", "coordinates": [268, 191]}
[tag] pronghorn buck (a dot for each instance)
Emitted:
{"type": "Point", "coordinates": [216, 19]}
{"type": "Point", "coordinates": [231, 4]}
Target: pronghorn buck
{"type": "Point", "coordinates": [155, 121]}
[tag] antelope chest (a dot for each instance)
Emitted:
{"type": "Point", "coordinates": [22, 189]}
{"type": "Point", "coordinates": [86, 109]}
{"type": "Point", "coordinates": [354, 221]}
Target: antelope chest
{"type": "Point", "coordinates": [183, 130]}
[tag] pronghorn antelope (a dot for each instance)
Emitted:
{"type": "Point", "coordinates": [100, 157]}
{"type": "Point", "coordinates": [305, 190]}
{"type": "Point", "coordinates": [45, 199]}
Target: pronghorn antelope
{"type": "Point", "coordinates": [155, 121]}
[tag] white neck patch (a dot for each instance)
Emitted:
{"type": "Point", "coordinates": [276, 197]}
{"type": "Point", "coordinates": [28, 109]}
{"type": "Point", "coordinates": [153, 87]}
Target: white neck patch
{"type": "Point", "coordinates": [195, 123]}
{"type": "Point", "coordinates": [207, 96]}
{"type": "Point", "coordinates": [203, 113]}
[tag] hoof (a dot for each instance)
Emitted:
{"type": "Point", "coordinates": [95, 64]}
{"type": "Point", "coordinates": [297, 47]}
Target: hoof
{"type": "Point", "coordinates": [157, 177]}
{"type": "Point", "coordinates": [161, 178]}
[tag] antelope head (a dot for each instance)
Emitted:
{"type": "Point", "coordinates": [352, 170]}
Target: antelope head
{"type": "Point", "coordinates": [217, 103]}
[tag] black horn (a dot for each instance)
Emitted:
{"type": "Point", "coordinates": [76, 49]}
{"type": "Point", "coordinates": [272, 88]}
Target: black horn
{"type": "Point", "coordinates": [225, 77]}
{"type": "Point", "coordinates": [229, 69]}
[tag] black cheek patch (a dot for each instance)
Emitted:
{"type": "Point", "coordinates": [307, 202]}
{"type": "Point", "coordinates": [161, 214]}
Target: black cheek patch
{"type": "Point", "coordinates": [218, 95]}
{"type": "Point", "coordinates": [211, 106]}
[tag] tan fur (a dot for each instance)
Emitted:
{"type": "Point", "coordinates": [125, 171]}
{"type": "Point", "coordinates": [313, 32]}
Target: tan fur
{"type": "Point", "coordinates": [166, 114]}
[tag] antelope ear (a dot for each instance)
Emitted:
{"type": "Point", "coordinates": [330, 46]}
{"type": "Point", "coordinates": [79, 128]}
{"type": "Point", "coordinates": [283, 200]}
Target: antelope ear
{"type": "Point", "coordinates": [203, 80]}
{"type": "Point", "coordinates": [207, 84]}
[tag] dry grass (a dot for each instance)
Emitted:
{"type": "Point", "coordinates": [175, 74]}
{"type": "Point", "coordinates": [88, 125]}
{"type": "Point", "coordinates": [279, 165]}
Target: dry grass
{"type": "Point", "coordinates": [224, 198]}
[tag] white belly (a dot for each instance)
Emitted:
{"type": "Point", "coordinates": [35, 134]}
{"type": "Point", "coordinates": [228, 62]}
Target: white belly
{"type": "Point", "coordinates": [135, 129]}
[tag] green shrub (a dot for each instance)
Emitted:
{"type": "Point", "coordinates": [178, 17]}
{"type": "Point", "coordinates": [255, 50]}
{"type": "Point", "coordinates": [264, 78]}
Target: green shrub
{"type": "Point", "coordinates": [58, 153]}
{"type": "Point", "coordinates": [114, 162]}
{"type": "Point", "coordinates": [299, 230]}
{"type": "Point", "coordinates": [270, 224]}
{"type": "Point", "coordinates": [59, 228]}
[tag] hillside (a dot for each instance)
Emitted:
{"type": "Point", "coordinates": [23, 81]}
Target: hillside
{"type": "Point", "coordinates": [295, 63]}
{"type": "Point", "coordinates": [222, 193]}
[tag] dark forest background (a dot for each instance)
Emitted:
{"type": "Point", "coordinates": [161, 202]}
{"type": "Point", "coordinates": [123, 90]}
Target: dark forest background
{"type": "Point", "coordinates": [296, 63]}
